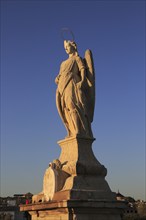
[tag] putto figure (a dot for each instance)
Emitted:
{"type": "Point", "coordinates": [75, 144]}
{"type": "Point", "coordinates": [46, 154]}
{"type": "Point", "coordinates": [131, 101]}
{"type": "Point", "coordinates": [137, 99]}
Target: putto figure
{"type": "Point", "coordinates": [75, 95]}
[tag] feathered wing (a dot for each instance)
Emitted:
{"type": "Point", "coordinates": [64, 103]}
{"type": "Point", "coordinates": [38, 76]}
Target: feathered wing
{"type": "Point", "coordinates": [90, 76]}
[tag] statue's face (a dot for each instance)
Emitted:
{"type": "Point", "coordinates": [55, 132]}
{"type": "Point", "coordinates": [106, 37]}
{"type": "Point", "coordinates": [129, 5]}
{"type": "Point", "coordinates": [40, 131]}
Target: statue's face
{"type": "Point", "coordinates": [69, 48]}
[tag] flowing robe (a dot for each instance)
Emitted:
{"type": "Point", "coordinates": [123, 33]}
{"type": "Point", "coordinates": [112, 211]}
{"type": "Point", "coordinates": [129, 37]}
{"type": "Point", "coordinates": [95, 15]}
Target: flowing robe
{"type": "Point", "coordinates": [71, 99]}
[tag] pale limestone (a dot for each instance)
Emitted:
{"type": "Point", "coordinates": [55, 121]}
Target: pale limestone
{"type": "Point", "coordinates": [77, 174]}
{"type": "Point", "coordinates": [76, 210]}
{"type": "Point", "coordinates": [54, 179]}
{"type": "Point", "coordinates": [75, 95]}
{"type": "Point", "coordinates": [87, 175]}
{"type": "Point", "coordinates": [74, 186]}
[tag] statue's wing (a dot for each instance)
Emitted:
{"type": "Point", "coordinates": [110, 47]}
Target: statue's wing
{"type": "Point", "coordinates": [90, 75]}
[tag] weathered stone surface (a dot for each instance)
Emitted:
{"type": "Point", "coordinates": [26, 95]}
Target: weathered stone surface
{"type": "Point", "coordinates": [74, 186]}
{"type": "Point", "coordinates": [77, 174]}
{"type": "Point", "coordinates": [54, 179]}
{"type": "Point", "coordinates": [87, 175]}
{"type": "Point", "coordinates": [76, 209]}
{"type": "Point", "coordinates": [75, 95]}
{"type": "Point", "coordinates": [78, 158]}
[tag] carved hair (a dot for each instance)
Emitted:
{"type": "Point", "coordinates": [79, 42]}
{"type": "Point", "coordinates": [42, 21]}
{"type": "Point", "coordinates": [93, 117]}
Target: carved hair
{"type": "Point", "coordinates": [73, 44]}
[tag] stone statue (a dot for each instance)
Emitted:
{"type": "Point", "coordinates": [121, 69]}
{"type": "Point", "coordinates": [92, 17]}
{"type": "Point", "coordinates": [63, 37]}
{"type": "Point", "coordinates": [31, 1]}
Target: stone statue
{"type": "Point", "coordinates": [74, 185]}
{"type": "Point", "coordinates": [75, 95]}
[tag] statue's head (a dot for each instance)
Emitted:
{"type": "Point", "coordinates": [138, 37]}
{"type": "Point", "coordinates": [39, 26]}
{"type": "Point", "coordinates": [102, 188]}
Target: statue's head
{"type": "Point", "coordinates": [70, 47]}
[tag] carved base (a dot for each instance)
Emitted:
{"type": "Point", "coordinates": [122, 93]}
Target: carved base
{"type": "Point", "coordinates": [75, 188]}
{"type": "Point", "coordinates": [77, 174]}
{"type": "Point", "coordinates": [84, 194]}
{"type": "Point", "coordinates": [76, 210]}
{"type": "Point", "coordinates": [85, 187]}
{"type": "Point", "coordinates": [78, 158]}
{"type": "Point", "coordinates": [87, 175]}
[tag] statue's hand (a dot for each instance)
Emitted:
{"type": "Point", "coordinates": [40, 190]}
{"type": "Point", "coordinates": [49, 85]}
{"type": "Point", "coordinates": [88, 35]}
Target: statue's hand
{"type": "Point", "coordinates": [80, 85]}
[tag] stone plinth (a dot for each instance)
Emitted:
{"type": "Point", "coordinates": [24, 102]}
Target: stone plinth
{"type": "Point", "coordinates": [78, 158]}
{"type": "Point", "coordinates": [75, 210]}
{"type": "Point", "coordinates": [87, 175]}
{"type": "Point", "coordinates": [74, 187]}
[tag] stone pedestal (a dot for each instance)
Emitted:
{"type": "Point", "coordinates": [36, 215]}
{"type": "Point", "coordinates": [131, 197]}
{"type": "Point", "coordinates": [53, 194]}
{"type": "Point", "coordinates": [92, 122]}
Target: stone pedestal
{"type": "Point", "coordinates": [75, 187]}
{"type": "Point", "coordinates": [75, 210]}
{"type": "Point", "coordinates": [87, 175]}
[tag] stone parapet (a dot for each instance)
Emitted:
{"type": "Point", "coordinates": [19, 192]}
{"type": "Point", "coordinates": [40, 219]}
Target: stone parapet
{"type": "Point", "coordinates": [75, 210]}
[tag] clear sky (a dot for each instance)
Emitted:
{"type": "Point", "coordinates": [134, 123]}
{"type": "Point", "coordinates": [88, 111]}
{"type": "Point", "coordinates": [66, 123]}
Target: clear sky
{"type": "Point", "coordinates": [31, 53]}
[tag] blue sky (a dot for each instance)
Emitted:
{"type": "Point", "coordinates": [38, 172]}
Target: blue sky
{"type": "Point", "coordinates": [31, 53]}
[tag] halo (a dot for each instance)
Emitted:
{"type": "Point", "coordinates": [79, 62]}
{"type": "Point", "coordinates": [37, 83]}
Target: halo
{"type": "Point", "coordinates": [68, 32]}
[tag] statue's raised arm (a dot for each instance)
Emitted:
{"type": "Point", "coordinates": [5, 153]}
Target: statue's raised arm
{"type": "Point", "coordinates": [75, 95]}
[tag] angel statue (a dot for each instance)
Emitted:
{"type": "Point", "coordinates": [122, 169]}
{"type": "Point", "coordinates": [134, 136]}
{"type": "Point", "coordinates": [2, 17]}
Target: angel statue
{"type": "Point", "coordinates": [75, 95]}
